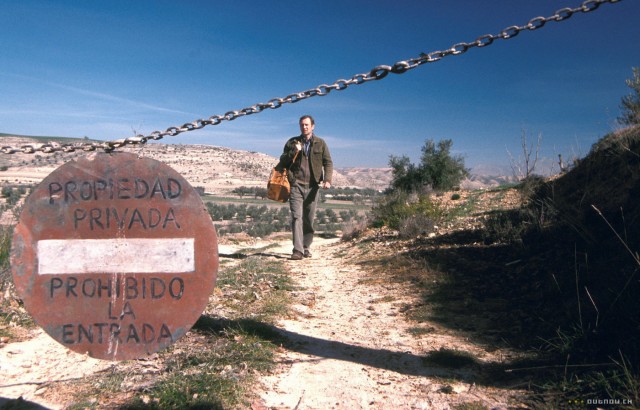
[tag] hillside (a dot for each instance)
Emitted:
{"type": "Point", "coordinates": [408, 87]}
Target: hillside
{"type": "Point", "coordinates": [218, 169]}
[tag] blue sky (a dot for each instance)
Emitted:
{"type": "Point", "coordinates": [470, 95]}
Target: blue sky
{"type": "Point", "coordinates": [105, 69]}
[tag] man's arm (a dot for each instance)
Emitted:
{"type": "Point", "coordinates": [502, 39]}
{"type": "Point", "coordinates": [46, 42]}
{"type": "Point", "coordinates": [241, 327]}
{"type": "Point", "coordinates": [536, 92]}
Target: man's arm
{"type": "Point", "coordinates": [291, 147]}
{"type": "Point", "coordinates": [327, 166]}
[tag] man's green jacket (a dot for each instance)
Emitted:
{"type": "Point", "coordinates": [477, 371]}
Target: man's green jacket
{"type": "Point", "coordinates": [321, 164]}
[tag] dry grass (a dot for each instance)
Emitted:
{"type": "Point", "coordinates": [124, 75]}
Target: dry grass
{"type": "Point", "coordinates": [555, 275]}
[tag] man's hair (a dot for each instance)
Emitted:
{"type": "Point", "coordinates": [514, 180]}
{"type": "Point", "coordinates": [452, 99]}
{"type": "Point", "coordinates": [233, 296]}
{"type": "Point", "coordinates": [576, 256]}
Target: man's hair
{"type": "Point", "coordinates": [309, 117]}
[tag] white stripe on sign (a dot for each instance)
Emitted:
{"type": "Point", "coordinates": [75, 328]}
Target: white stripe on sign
{"type": "Point", "coordinates": [121, 255]}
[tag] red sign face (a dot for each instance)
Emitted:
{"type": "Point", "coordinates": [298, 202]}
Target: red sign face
{"type": "Point", "coordinates": [115, 256]}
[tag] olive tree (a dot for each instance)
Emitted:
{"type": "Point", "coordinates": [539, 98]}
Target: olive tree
{"type": "Point", "coordinates": [438, 168]}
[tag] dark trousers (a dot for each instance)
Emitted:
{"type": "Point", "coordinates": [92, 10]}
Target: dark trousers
{"type": "Point", "coordinates": [302, 203]}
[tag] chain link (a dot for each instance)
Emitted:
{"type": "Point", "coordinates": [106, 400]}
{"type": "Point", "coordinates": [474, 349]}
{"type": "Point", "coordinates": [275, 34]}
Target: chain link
{"type": "Point", "coordinates": [377, 73]}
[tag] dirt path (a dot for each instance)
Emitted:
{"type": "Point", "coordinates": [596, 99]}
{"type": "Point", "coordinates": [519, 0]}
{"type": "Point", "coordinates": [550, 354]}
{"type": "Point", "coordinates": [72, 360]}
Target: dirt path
{"type": "Point", "coordinates": [351, 346]}
{"type": "Point", "coordinates": [27, 368]}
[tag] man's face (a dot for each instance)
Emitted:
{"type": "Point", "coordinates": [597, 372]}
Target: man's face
{"type": "Point", "coordinates": [306, 128]}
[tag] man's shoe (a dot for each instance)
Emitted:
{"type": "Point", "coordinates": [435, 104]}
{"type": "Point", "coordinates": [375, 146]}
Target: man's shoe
{"type": "Point", "coordinates": [307, 254]}
{"type": "Point", "coordinates": [296, 256]}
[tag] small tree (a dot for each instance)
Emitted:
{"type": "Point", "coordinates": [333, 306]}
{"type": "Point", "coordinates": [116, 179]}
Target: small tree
{"type": "Point", "coordinates": [405, 175]}
{"type": "Point", "coordinates": [438, 169]}
{"type": "Point", "coordinates": [630, 104]}
{"type": "Point", "coordinates": [525, 166]}
{"type": "Point", "coordinates": [242, 191]}
{"type": "Point", "coordinates": [260, 192]}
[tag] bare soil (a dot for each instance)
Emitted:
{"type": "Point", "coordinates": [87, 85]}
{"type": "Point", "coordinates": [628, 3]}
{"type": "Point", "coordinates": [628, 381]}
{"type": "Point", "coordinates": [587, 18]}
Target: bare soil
{"type": "Point", "coordinates": [350, 346]}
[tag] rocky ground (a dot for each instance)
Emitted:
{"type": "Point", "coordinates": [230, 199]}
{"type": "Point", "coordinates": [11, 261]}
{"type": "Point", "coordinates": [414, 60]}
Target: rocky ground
{"type": "Point", "coordinates": [350, 345]}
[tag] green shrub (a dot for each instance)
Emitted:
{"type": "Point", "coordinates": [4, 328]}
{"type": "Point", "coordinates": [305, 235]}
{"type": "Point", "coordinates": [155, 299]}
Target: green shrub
{"type": "Point", "coordinates": [390, 210]}
{"type": "Point", "coordinates": [438, 169]}
{"type": "Point", "coordinates": [397, 211]}
{"type": "Point", "coordinates": [5, 247]}
{"type": "Point", "coordinates": [5, 251]}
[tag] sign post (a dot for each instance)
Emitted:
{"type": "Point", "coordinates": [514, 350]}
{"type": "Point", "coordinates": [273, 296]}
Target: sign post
{"type": "Point", "coordinates": [115, 256]}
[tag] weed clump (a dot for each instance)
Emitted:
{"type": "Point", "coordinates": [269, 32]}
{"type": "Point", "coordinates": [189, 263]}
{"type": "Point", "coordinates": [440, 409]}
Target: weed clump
{"type": "Point", "coordinates": [411, 215]}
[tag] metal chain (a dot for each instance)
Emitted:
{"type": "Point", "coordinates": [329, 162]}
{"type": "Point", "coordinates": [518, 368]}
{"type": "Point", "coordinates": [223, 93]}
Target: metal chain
{"type": "Point", "coordinates": [377, 73]}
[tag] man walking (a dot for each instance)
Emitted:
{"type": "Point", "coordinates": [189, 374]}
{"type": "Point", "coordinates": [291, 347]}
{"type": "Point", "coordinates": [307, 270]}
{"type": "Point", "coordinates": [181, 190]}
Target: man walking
{"type": "Point", "coordinates": [310, 166]}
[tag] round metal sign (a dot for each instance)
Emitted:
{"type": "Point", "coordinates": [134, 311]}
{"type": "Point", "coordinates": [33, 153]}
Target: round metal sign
{"type": "Point", "coordinates": [115, 256]}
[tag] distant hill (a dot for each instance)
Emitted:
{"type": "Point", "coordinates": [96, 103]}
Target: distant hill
{"type": "Point", "coordinates": [376, 178]}
{"type": "Point", "coordinates": [42, 139]}
{"type": "Point", "coordinates": [480, 181]}
{"type": "Point", "coordinates": [218, 169]}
